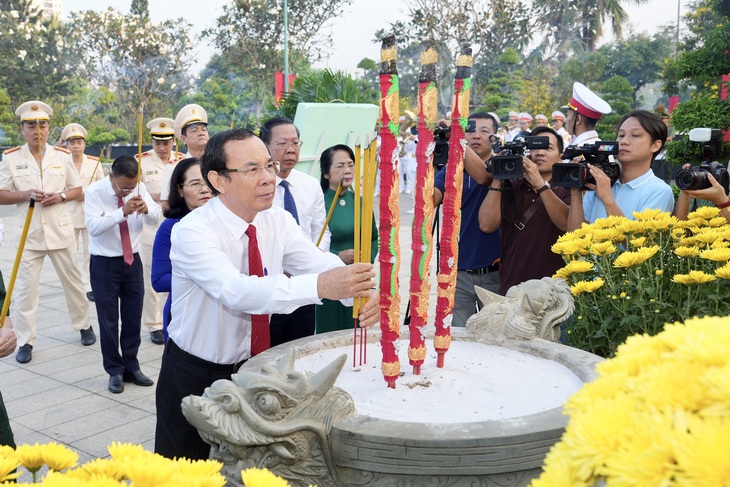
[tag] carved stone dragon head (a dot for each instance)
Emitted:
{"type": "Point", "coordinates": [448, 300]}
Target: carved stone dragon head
{"type": "Point", "coordinates": [277, 418]}
{"type": "Point", "coordinates": [533, 309]}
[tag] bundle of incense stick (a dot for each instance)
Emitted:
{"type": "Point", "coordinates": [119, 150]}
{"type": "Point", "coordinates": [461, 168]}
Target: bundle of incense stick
{"type": "Point", "coordinates": [448, 260]}
{"type": "Point", "coordinates": [389, 210]}
{"type": "Point", "coordinates": [422, 231]}
{"type": "Point", "coordinates": [363, 229]}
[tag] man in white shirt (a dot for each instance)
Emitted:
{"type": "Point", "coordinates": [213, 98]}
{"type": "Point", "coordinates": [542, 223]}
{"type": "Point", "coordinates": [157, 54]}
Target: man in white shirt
{"type": "Point", "coordinates": [301, 195]}
{"type": "Point", "coordinates": [558, 125]}
{"type": "Point", "coordinates": [231, 265]}
{"type": "Point", "coordinates": [115, 209]}
{"type": "Point", "coordinates": [585, 109]}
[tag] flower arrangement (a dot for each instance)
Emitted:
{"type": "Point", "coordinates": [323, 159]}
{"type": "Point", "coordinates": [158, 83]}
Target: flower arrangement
{"type": "Point", "coordinates": [632, 276]}
{"type": "Point", "coordinates": [129, 466]}
{"type": "Point", "coordinates": [658, 414]}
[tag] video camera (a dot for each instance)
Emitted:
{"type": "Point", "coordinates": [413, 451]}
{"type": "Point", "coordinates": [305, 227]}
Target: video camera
{"type": "Point", "coordinates": [696, 176]}
{"type": "Point", "coordinates": [509, 166]}
{"type": "Point", "coordinates": [576, 174]}
{"type": "Point", "coordinates": [441, 138]}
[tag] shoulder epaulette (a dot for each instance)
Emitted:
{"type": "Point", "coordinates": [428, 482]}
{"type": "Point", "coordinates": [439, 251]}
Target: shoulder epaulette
{"type": "Point", "coordinates": [93, 158]}
{"type": "Point", "coordinates": [12, 149]}
{"type": "Point", "coordinates": [144, 154]}
{"type": "Point", "coordinates": [61, 149]}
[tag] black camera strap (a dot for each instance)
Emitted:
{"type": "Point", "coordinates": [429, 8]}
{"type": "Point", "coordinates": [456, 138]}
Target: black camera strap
{"type": "Point", "coordinates": [521, 221]}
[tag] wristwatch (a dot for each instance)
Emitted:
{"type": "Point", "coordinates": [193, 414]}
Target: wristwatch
{"type": "Point", "coordinates": [545, 187]}
{"type": "Point", "coordinates": [63, 197]}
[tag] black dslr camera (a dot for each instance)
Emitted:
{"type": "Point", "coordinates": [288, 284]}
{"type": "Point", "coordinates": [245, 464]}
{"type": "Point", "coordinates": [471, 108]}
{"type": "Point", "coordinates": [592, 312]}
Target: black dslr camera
{"type": "Point", "coordinates": [576, 174]}
{"type": "Point", "coordinates": [696, 177]}
{"type": "Point", "coordinates": [441, 139]}
{"type": "Point", "coordinates": [509, 166]}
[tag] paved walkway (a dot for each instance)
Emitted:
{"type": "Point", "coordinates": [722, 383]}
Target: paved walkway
{"type": "Point", "coordinates": [62, 396]}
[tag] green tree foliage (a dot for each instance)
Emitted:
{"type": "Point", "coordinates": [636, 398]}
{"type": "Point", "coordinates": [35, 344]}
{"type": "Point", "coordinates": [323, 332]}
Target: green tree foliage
{"type": "Point", "coordinates": [618, 92]}
{"type": "Point", "coordinates": [702, 60]}
{"type": "Point", "coordinates": [34, 55]}
{"type": "Point", "coordinates": [326, 86]}
{"type": "Point", "coordinates": [578, 24]}
{"type": "Point", "coordinates": [8, 124]}
{"type": "Point", "coordinates": [703, 110]}
{"type": "Point", "coordinates": [639, 59]}
{"type": "Point", "coordinates": [490, 26]}
{"type": "Point", "coordinates": [503, 89]}
{"type": "Point", "coordinates": [535, 95]}
{"type": "Point", "coordinates": [144, 63]}
{"type": "Point", "coordinates": [250, 36]}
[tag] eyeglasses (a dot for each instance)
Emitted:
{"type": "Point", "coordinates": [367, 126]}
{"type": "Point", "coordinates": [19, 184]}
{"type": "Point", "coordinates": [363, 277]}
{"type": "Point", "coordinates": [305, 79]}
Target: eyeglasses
{"type": "Point", "coordinates": [254, 172]}
{"type": "Point", "coordinates": [295, 144]}
{"type": "Point", "coordinates": [196, 185]}
{"type": "Point", "coordinates": [120, 189]}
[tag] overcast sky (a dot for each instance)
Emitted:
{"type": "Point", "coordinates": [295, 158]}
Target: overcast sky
{"type": "Point", "coordinates": [352, 33]}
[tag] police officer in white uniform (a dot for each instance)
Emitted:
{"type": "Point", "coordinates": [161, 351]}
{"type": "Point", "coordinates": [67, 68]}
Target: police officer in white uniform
{"type": "Point", "coordinates": [162, 132]}
{"type": "Point", "coordinates": [45, 173]}
{"type": "Point", "coordinates": [88, 169]}
{"type": "Point", "coordinates": [558, 118]}
{"type": "Point", "coordinates": [191, 127]}
{"type": "Point", "coordinates": [585, 109]}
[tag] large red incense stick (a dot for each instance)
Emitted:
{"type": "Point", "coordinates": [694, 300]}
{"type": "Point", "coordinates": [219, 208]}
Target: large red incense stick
{"type": "Point", "coordinates": [448, 260]}
{"type": "Point", "coordinates": [421, 231]}
{"type": "Point", "coordinates": [389, 211]}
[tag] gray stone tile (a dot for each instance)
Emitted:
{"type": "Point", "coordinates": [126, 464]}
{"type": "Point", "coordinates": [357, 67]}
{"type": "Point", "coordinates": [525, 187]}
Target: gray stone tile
{"type": "Point", "coordinates": [60, 396]}
{"type": "Point", "coordinates": [82, 407]}
{"type": "Point", "coordinates": [88, 425]}
{"type": "Point", "coordinates": [31, 387]}
{"type": "Point", "coordinates": [137, 431]}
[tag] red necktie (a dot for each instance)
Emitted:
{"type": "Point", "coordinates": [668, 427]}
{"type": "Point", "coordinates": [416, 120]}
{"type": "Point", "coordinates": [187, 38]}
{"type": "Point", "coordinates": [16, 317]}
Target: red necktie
{"type": "Point", "coordinates": [124, 232]}
{"type": "Point", "coordinates": [260, 337]}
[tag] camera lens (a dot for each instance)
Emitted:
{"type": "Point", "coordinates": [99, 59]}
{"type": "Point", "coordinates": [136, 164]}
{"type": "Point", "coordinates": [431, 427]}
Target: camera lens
{"type": "Point", "coordinates": [510, 167]}
{"type": "Point", "coordinates": [690, 179]}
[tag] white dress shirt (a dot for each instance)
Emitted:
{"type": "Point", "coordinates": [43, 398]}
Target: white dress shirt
{"type": "Point", "coordinates": [585, 138]}
{"type": "Point", "coordinates": [213, 297]}
{"type": "Point", "coordinates": [309, 197]}
{"type": "Point", "coordinates": [103, 217]}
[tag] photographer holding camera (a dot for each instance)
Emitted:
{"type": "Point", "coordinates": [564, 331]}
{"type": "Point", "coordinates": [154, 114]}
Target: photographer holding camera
{"type": "Point", "coordinates": [478, 251]}
{"type": "Point", "coordinates": [530, 214]}
{"type": "Point", "coordinates": [709, 181]}
{"type": "Point", "coordinates": [641, 136]}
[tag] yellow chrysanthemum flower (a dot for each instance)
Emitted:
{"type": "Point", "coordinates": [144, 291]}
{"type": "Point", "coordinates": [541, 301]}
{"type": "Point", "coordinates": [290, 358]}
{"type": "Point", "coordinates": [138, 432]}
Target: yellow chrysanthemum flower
{"type": "Point", "coordinates": [198, 468]}
{"type": "Point", "coordinates": [718, 221]}
{"type": "Point", "coordinates": [638, 242]}
{"type": "Point", "coordinates": [586, 286]}
{"type": "Point", "coordinates": [148, 470]}
{"type": "Point", "coordinates": [607, 235]}
{"type": "Point", "coordinates": [608, 222]}
{"type": "Point", "coordinates": [720, 244]}
{"type": "Point", "coordinates": [100, 467]}
{"type": "Point", "coordinates": [717, 255]}
{"type": "Point", "coordinates": [687, 251]}
{"type": "Point", "coordinates": [574, 267]}
{"type": "Point", "coordinates": [705, 212]}
{"type": "Point", "coordinates": [723, 272]}
{"type": "Point", "coordinates": [59, 457]}
{"type": "Point", "coordinates": [30, 456]}
{"type": "Point", "coordinates": [649, 214]}
{"type": "Point", "coordinates": [630, 226]}
{"type": "Point", "coordinates": [708, 236]}
{"type": "Point", "coordinates": [694, 277]}
{"type": "Point", "coordinates": [603, 248]}
{"type": "Point", "coordinates": [8, 466]}
{"type": "Point", "coordinates": [630, 259]}
{"type": "Point", "coordinates": [255, 477]}
{"type": "Point", "coordinates": [120, 451]}
{"type": "Point", "coordinates": [660, 224]}
{"type": "Point", "coordinates": [702, 453]}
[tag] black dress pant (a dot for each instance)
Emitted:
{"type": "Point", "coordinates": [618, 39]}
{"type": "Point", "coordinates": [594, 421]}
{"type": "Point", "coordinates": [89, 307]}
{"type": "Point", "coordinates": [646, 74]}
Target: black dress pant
{"type": "Point", "coordinates": [118, 289]}
{"type": "Point", "coordinates": [297, 324]}
{"type": "Point", "coordinates": [182, 375]}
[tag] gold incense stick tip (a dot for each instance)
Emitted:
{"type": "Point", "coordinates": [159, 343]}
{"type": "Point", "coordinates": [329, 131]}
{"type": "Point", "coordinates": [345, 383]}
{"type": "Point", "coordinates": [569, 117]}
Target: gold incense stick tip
{"type": "Point", "coordinates": [464, 60]}
{"type": "Point", "coordinates": [429, 56]}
